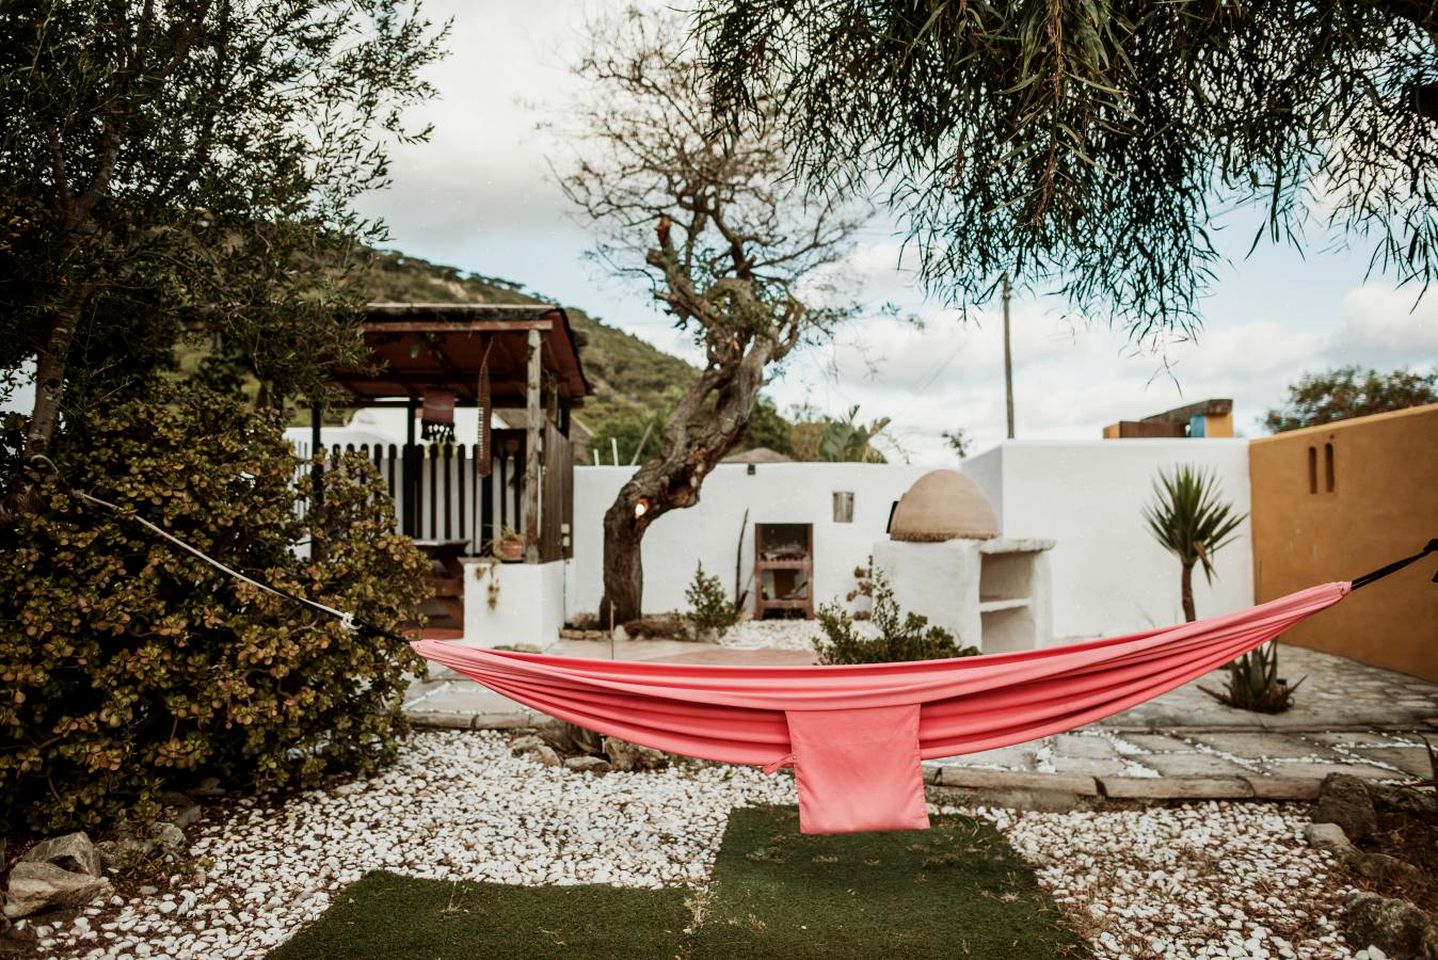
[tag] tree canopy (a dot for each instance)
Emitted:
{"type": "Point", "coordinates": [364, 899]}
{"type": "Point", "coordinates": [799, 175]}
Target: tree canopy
{"type": "Point", "coordinates": [1084, 147]}
{"type": "Point", "coordinates": [170, 165]}
{"type": "Point", "coordinates": [1347, 392]}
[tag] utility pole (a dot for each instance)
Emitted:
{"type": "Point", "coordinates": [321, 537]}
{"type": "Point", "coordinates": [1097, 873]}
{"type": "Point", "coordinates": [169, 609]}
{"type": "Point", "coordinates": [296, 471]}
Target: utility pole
{"type": "Point", "coordinates": [1008, 361]}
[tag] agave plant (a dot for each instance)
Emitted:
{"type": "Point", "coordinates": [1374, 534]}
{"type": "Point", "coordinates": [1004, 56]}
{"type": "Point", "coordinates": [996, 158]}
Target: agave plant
{"type": "Point", "coordinates": [1191, 520]}
{"type": "Point", "coordinates": [1254, 683]}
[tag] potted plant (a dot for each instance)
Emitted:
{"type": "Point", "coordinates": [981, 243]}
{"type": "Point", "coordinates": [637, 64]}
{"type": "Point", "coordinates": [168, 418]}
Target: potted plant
{"type": "Point", "coordinates": [508, 546]}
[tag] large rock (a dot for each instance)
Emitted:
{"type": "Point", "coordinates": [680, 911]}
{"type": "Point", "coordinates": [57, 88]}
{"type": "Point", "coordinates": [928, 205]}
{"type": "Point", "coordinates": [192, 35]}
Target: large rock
{"type": "Point", "coordinates": [631, 756]}
{"type": "Point", "coordinates": [1344, 800]}
{"type": "Point", "coordinates": [73, 852]}
{"type": "Point", "coordinates": [1396, 927]}
{"type": "Point", "coordinates": [587, 764]}
{"type": "Point", "coordinates": [36, 886]}
{"type": "Point", "coordinates": [1329, 836]}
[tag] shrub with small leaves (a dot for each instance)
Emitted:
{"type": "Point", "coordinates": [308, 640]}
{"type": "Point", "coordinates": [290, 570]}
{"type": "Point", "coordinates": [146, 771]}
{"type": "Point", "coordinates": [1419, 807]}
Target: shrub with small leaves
{"type": "Point", "coordinates": [888, 636]}
{"type": "Point", "coordinates": [711, 612]}
{"type": "Point", "coordinates": [128, 666]}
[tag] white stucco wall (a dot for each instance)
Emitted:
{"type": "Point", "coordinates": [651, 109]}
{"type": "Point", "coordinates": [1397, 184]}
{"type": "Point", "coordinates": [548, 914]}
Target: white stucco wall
{"type": "Point", "coordinates": [528, 604]}
{"type": "Point", "coordinates": [710, 531]}
{"type": "Point", "coordinates": [1109, 575]}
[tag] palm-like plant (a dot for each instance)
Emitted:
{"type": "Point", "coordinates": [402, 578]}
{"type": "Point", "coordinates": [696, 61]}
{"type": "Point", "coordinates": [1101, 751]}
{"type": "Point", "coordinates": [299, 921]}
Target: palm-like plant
{"type": "Point", "coordinates": [1191, 520]}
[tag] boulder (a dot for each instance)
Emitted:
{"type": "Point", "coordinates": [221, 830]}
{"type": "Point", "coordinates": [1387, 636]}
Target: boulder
{"type": "Point", "coordinates": [1396, 927]}
{"type": "Point", "coordinates": [631, 756]}
{"type": "Point", "coordinates": [526, 744]}
{"type": "Point", "coordinates": [545, 754]}
{"type": "Point", "coordinates": [168, 835]}
{"type": "Point", "coordinates": [1343, 799]}
{"type": "Point", "coordinates": [1329, 836]}
{"type": "Point", "coordinates": [36, 886]}
{"type": "Point", "coordinates": [587, 764]}
{"type": "Point", "coordinates": [1382, 868]}
{"type": "Point", "coordinates": [72, 852]}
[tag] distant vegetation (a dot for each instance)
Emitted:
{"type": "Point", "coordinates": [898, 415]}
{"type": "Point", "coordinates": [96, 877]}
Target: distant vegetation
{"type": "Point", "coordinates": [1350, 392]}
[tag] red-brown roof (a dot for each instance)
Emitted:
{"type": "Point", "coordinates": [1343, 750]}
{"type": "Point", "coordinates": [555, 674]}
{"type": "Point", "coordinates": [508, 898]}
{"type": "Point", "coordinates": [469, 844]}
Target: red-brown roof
{"type": "Point", "coordinates": [441, 346]}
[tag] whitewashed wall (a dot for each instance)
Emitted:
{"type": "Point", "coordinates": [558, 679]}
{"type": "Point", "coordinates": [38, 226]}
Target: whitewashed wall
{"type": "Point", "coordinates": [1109, 575]}
{"type": "Point", "coordinates": [710, 531]}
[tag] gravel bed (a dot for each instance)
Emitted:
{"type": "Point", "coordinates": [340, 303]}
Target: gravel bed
{"type": "Point", "coordinates": [1202, 880]}
{"type": "Point", "coordinates": [774, 634]}
{"type": "Point", "coordinates": [1195, 881]}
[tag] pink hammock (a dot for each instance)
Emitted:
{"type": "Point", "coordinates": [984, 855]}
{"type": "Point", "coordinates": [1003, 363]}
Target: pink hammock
{"type": "Point", "coordinates": [855, 734]}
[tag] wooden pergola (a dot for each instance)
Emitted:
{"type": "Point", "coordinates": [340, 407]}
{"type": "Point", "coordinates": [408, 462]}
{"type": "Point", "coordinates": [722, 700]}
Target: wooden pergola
{"type": "Point", "coordinates": [530, 355]}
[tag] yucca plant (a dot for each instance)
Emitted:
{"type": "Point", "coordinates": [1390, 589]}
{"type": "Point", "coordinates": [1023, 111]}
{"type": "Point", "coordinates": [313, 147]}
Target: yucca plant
{"type": "Point", "coordinates": [1191, 520]}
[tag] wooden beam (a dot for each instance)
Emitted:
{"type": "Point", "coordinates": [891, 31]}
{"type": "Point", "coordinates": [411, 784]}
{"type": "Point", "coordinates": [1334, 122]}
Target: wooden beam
{"type": "Point", "coordinates": [531, 451]}
{"type": "Point", "coordinates": [456, 326]}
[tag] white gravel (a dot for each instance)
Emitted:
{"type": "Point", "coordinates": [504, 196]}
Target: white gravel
{"type": "Point", "coordinates": [1197, 881]}
{"type": "Point", "coordinates": [774, 634]}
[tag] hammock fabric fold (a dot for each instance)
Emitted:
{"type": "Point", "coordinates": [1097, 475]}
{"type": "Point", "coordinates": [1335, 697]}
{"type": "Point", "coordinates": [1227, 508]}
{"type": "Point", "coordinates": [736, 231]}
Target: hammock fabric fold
{"type": "Point", "coordinates": [855, 734]}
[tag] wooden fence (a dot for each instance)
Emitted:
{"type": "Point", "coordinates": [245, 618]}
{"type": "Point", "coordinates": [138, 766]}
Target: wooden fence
{"type": "Point", "coordinates": [439, 495]}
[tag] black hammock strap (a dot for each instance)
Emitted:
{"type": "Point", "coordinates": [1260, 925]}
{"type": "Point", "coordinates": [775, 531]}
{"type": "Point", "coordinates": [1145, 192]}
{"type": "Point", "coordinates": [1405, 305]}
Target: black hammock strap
{"type": "Point", "coordinates": [1397, 565]}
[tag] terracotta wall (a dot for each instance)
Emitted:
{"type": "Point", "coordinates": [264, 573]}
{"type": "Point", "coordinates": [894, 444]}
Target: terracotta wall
{"type": "Point", "coordinates": [1336, 501]}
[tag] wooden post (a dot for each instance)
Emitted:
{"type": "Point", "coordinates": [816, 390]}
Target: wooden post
{"type": "Point", "coordinates": [532, 421]}
{"type": "Point", "coordinates": [1008, 363]}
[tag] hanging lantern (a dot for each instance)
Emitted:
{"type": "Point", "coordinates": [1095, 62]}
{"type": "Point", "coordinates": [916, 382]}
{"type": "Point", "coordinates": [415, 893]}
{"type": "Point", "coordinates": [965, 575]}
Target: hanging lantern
{"type": "Point", "coordinates": [437, 416]}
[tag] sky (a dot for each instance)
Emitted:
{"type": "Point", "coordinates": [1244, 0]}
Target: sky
{"type": "Point", "coordinates": [480, 195]}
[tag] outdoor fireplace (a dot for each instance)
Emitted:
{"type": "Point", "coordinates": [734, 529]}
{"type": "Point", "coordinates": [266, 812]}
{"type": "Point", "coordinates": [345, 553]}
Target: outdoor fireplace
{"type": "Point", "coordinates": [946, 560]}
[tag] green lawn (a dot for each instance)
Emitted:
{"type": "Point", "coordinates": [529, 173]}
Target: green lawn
{"type": "Point", "coordinates": [954, 891]}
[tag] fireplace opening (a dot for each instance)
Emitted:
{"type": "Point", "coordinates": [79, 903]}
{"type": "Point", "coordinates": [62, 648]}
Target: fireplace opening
{"type": "Point", "coordinates": [783, 570]}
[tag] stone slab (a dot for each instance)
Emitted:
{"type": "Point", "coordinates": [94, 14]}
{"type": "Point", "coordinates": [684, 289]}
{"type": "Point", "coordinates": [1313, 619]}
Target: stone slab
{"type": "Point", "coordinates": [978, 779]}
{"type": "Point", "coordinates": [1018, 757]}
{"type": "Point", "coordinates": [1175, 788]}
{"type": "Point", "coordinates": [1410, 760]}
{"type": "Point", "coordinates": [1087, 747]}
{"type": "Point", "coordinates": [1156, 742]}
{"type": "Point", "coordinates": [1317, 771]}
{"type": "Point", "coordinates": [1085, 767]}
{"type": "Point", "coordinates": [1193, 765]}
{"type": "Point", "coordinates": [1261, 745]}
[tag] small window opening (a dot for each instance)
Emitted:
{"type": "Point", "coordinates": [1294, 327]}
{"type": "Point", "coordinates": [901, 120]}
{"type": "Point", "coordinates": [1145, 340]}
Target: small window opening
{"type": "Point", "coordinates": [1328, 467]}
{"type": "Point", "coordinates": [843, 506]}
{"type": "Point", "coordinates": [1312, 469]}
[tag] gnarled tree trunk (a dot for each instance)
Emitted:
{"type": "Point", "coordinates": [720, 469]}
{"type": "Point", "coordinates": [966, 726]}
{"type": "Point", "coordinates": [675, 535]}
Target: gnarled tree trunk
{"type": "Point", "coordinates": [692, 442]}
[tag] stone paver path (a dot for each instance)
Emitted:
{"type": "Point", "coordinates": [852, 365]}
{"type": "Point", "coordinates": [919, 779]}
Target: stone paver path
{"type": "Point", "coordinates": [1349, 718]}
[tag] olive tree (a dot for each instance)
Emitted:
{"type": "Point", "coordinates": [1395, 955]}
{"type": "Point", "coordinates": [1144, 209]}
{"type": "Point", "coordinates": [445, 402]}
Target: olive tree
{"type": "Point", "coordinates": [726, 244]}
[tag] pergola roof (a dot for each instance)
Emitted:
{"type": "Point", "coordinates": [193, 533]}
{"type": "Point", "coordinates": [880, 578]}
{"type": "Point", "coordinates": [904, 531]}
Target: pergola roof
{"type": "Point", "coordinates": [441, 346]}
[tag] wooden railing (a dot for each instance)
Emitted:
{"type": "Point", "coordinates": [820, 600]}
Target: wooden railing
{"type": "Point", "coordinates": [439, 495]}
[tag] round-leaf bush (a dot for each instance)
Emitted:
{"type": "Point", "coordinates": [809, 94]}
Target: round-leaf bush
{"type": "Point", "coordinates": [128, 666]}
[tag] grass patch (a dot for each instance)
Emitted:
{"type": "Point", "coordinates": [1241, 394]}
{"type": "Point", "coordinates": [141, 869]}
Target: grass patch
{"type": "Point", "coordinates": [399, 918]}
{"type": "Point", "coordinates": [957, 890]}
{"type": "Point", "coordinates": [953, 891]}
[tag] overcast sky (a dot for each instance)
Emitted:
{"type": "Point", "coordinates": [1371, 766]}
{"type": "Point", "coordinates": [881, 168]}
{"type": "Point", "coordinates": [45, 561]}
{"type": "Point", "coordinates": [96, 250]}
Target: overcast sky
{"type": "Point", "coordinates": [479, 196]}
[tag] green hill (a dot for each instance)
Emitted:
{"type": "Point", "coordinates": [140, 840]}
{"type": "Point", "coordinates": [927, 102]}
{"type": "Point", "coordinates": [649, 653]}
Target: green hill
{"type": "Point", "coordinates": [633, 381]}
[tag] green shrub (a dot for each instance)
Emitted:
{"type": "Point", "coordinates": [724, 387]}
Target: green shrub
{"type": "Point", "coordinates": [711, 612]}
{"type": "Point", "coordinates": [890, 636]}
{"type": "Point", "coordinates": [128, 666]}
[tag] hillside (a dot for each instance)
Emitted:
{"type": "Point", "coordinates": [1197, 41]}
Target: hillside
{"type": "Point", "coordinates": [632, 379]}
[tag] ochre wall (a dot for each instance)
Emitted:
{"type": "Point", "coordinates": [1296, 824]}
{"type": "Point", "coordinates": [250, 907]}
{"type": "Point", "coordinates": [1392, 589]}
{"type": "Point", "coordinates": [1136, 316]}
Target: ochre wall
{"type": "Point", "coordinates": [1383, 505]}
